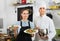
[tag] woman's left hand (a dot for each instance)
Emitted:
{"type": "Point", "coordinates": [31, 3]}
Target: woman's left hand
{"type": "Point", "coordinates": [32, 35]}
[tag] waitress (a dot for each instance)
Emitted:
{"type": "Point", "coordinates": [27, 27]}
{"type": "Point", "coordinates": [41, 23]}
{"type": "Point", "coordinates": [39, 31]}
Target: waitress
{"type": "Point", "coordinates": [25, 24]}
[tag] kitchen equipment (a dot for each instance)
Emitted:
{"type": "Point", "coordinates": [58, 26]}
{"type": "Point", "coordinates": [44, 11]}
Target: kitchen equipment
{"type": "Point", "coordinates": [23, 1]}
{"type": "Point", "coordinates": [43, 32]}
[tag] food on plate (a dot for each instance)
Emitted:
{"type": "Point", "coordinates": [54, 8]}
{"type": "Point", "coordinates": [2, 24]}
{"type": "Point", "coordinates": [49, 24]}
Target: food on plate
{"type": "Point", "coordinates": [30, 31]}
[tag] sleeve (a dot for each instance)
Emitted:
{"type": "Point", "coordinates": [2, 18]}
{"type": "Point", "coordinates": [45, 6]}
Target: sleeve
{"type": "Point", "coordinates": [18, 29]}
{"type": "Point", "coordinates": [35, 20]}
{"type": "Point", "coordinates": [36, 23]}
{"type": "Point", "coordinates": [17, 23]}
{"type": "Point", "coordinates": [32, 25]}
{"type": "Point", "coordinates": [52, 31]}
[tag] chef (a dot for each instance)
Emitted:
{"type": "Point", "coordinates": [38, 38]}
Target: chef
{"type": "Point", "coordinates": [44, 22]}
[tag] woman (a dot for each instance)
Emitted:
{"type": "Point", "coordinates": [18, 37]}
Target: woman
{"type": "Point", "coordinates": [25, 24]}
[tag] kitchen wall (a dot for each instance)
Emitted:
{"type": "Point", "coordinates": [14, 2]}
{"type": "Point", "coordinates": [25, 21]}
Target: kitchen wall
{"type": "Point", "coordinates": [10, 12]}
{"type": "Point", "coordinates": [56, 18]}
{"type": "Point", "coordinates": [3, 14]}
{"type": "Point", "coordinates": [7, 12]}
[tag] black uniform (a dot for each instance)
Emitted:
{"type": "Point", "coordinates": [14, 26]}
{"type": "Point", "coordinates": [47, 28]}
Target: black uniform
{"type": "Point", "coordinates": [24, 36]}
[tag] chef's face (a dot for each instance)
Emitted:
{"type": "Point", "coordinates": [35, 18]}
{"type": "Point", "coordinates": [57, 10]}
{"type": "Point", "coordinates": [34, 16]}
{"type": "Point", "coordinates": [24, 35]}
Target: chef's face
{"type": "Point", "coordinates": [42, 10]}
{"type": "Point", "coordinates": [25, 14]}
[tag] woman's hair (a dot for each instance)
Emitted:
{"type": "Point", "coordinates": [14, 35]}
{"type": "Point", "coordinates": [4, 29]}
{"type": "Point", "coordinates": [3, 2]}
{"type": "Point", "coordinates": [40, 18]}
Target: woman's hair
{"type": "Point", "coordinates": [23, 9]}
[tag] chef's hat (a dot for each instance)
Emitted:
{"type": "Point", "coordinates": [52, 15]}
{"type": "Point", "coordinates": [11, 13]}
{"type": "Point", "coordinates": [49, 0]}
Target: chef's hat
{"type": "Point", "coordinates": [40, 4]}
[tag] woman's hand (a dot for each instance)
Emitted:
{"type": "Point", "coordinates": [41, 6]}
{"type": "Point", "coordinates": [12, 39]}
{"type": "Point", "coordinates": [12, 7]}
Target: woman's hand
{"type": "Point", "coordinates": [15, 31]}
{"type": "Point", "coordinates": [15, 28]}
{"type": "Point", "coordinates": [32, 35]}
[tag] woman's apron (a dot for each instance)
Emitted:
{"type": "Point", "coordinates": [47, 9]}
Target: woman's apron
{"type": "Point", "coordinates": [24, 36]}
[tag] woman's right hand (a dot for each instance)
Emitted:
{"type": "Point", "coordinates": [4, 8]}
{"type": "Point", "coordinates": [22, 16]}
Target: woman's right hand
{"type": "Point", "coordinates": [15, 31]}
{"type": "Point", "coordinates": [32, 35]}
{"type": "Point", "coordinates": [15, 28]}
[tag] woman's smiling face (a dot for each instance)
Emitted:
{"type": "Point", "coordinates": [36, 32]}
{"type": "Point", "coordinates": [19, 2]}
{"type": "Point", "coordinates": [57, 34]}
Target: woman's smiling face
{"type": "Point", "coordinates": [25, 14]}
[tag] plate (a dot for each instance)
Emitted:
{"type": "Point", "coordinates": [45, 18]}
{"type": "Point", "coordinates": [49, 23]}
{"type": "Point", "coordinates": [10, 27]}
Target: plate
{"type": "Point", "coordinates": [5, 35]}
{"type": "Point", "coordinates": [31, 31]}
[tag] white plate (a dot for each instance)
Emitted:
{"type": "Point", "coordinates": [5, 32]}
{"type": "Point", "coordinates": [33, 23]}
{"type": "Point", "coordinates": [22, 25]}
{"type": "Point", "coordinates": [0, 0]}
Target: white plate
{"type": "Point", "coordinates": [5, 35]}
{"type": "Point", "coordinates": [32, 32]}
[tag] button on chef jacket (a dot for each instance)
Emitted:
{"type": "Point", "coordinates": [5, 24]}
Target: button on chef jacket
{"type": "Point", "coordinates": [45, 22]}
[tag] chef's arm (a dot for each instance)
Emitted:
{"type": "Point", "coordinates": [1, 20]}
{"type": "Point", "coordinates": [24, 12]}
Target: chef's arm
{"type": "Point", "coordinates": [52, 31]}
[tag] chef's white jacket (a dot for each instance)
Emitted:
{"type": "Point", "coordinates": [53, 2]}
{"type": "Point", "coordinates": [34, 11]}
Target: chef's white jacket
{"type": "Point", "coordinates": [45, 22]}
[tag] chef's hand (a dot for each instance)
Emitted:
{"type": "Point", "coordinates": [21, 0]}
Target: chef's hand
{"type": "Point", "coordinates": [45, 37]}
